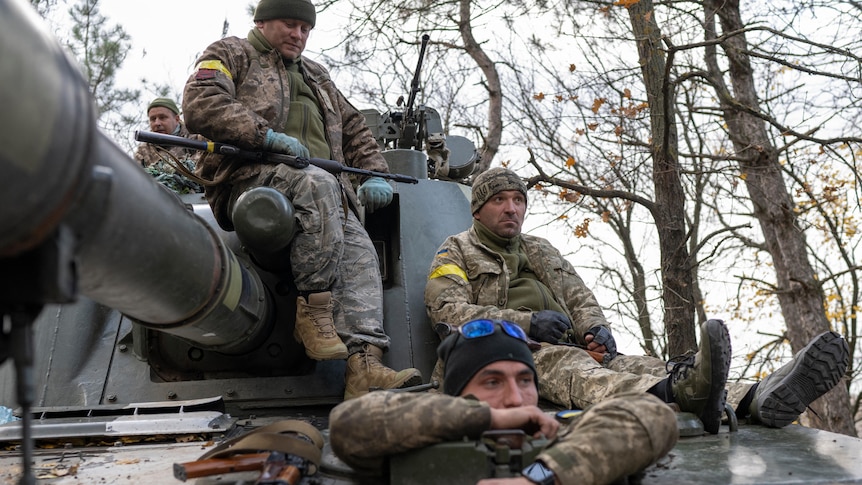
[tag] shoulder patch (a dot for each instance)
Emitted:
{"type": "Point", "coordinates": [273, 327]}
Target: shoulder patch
{"type": "Point", "coordinates": [443, 252]}
{"type": "Point", "coordinates": [208, 69]}
{"type": "Point", "coordinates": [448, 270]}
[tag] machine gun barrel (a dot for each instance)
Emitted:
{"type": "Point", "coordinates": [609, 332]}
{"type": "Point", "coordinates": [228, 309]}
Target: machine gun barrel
{"type": "Point", "coordinates": [414, 85]}
{"type": "Point", "coordinates": [330, 166]}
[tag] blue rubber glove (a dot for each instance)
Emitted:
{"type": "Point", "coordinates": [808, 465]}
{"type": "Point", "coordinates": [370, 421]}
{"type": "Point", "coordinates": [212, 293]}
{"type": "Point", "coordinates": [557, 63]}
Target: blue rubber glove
{"type": "Point", "coordinates": [281, 143]}
{"type": "Point", "coordinates": [375, 193]}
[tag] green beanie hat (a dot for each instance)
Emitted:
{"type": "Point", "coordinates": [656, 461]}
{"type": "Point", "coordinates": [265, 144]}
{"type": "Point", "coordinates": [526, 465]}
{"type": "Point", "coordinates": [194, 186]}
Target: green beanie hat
{"type": "Point", "coordinates": [164, 103]}
{"type": "Point", "coordinates": [286, 9]}
{"type": "Point", "coordinates": [492, 181]}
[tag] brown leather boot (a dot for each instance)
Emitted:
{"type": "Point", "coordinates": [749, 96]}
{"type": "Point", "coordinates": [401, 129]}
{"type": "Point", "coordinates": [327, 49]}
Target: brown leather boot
{"type": "Point", "coordinates": [315, 328]}
{"type": "Point", "coordinates": [365, 371]}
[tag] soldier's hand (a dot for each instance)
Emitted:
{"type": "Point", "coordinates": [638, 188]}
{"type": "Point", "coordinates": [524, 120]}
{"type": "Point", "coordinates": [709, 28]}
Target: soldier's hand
{"type": "Point", "coordinates": [375, 193]}
{"type": "Point", "coordinates": [531, 419]}
{"type": "Point", "coordinates": [548, 326]}
{"type": "Point", "coordinates": [600, 339]}
{"type": "Point", "coordinates": [281, 143]}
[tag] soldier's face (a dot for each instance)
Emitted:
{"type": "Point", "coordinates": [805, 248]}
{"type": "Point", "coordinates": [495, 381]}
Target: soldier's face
{"type": "Point", "coordinates": [504, 384]}
{"type": "Point", "coordinates": [503, 213]}
{"type": "Point", "coordinates": [163, 120]}
{"type": "Point", "coordinates": [287, 36]}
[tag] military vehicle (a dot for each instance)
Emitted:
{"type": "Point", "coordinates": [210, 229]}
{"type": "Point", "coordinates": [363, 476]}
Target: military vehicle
{"type": "Point", "coordinates": [138, 335]}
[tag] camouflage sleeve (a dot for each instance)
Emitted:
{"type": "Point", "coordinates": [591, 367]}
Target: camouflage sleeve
{"type": "Point", "coordinates": [449, 294]}
{"type": "Point", "coordinates": [611, 440]}
{"type": "Point", "coordinates": [365, 430]}
{"type": "Point", "coordinates": [360, 148]}
{"type": "Point", "coordinates": [210, 104]}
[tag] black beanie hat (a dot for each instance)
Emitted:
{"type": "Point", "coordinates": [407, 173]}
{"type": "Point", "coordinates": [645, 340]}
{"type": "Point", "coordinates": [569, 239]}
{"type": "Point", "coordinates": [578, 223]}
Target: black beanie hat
{"type": "Point", "coordinates": [464, 357]}
{"type": "Point", "coordinates": [286, 9]}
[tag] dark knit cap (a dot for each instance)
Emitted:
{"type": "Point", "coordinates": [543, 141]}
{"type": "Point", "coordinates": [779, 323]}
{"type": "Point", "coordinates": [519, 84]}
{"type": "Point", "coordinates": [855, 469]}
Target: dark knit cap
{"type": "Point", "coordinates": [164, 103]}
{"type": "Point", "coordinates": [491, 182]}
{"type": "Point", "coordinates": [286, 9]}
{"type": "Point", "coordinates": [464, 357]}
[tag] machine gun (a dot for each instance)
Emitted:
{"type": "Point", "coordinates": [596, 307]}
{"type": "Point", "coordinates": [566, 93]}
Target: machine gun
{"type": "Point", "coordinates": [330, 166]}
{"type": "Point", "coordinates": [413, 128]}
{"type": "Point", "coordinates": [405, 133]}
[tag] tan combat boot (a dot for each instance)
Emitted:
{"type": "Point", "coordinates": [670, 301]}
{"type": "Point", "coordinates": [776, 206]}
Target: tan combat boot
{"type": "Point", "coordinates": [315, 328]}
{"type": "Point", "coordinates": [365, 371]}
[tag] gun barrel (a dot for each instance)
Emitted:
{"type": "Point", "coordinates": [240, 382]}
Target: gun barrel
{"type": "Point", "coordinates": [138, 249]}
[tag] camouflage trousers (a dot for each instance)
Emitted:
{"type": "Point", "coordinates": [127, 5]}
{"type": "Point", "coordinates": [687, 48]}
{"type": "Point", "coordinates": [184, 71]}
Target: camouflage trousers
{"type": "Point", "coordinates": [330, 251]}
{"type": "Point", "coordinates": [612, 440]}
{"type": "Point", "coordinates": [569, 377]}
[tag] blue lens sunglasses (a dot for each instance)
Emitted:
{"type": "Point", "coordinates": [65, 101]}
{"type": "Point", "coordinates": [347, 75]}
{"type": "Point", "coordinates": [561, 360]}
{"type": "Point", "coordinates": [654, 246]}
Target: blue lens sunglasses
{"type": "Point", "coordinates": [485, 327]}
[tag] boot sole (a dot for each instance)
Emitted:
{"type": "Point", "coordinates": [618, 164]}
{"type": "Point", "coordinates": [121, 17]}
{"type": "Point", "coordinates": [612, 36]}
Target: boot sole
{"type": "Point", "coordinates": [817, 370]}
{"type": "Point", "coordinates": [719, 345]}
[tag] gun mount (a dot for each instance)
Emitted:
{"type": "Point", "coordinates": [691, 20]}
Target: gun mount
{"type": "Point", "coordinates": [413, 137]}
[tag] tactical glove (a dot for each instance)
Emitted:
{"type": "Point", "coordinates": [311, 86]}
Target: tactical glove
{"type": "Point", "coordinates": [281, 143]}
{"type": "Point", "coordinates": [603, 336]}
{"type": "Point", "coordinates": [375, 193]}
{"type": "Point", "coordinates": [548, 326]}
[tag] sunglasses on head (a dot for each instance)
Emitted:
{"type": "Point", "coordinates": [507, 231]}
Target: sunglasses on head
{"type": "Point", "coordinates": [485, 327]}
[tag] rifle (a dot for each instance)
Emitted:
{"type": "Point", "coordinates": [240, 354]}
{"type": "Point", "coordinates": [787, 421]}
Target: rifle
{"type": "Point", "coordinates": [276, 468]}
{"type": "Point", "coordinates": [330, 166]}
{"type": "Point", "coordinates": [410, 134]}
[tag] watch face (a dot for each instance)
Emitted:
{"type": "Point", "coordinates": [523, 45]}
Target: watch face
{"type": "Point", "coordinates": [537, 472]}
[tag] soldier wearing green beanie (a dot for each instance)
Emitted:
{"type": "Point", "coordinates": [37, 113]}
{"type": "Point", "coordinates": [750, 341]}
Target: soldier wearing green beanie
{"type": "Point", "coordinates": [286, 9]}
{"type": "Point", "coordinates": [261, 93]}
{"type": "Point", "coordinates": [163, 116]}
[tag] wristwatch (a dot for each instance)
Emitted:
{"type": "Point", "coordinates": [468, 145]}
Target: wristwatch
{"type": "Point", "coordinates": [537, 472]}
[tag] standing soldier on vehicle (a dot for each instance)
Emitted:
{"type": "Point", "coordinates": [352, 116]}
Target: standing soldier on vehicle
{"type": "Point", "coordinates": [259, 93]}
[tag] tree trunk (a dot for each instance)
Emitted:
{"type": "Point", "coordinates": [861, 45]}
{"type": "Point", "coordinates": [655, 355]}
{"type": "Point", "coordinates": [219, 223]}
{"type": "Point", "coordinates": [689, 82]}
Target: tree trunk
{"type": "Point", "coordinates": [798, 292]}
{"type": "Point", "coordinates": [669, 213]}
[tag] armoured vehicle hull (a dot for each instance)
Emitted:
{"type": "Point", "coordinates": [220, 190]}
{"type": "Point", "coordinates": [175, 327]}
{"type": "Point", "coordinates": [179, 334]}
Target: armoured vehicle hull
{"type": "Point", "coordinates": [138, 334]}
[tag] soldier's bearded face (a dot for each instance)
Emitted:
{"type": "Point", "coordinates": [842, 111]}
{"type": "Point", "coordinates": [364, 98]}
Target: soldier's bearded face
{"type": "Point", "coordinates": [503, 213]}
{"type": "Point", "coordinates": [287, 36]}
{"type": "Point", "coordinates": [504, 384]}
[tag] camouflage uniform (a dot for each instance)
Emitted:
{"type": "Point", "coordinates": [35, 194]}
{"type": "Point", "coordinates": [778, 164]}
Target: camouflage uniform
{"type": "Point", "coordinates": [468, 280]}
{"type": "Point", "coordinates": [153, 159]}
{"type": "Point", "coordinates": [236, 103]}
{"type": "Point", "coordinates": [634, 432]}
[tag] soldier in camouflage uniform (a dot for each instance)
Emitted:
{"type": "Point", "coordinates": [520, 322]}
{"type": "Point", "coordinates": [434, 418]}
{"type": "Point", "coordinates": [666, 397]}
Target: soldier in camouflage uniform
{"type": "Point", "coordinates": [497, 375]}
{"type": "Point", "coordinates": [494, 271]}
{"type": "Point", "coordinates": [259, 93]}
{"type": "Point", "coordinates": [163, 116]}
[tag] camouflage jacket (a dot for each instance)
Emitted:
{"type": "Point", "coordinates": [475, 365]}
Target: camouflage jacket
{"type": "Point", "coordinates": [149, 155]}
{"type": "Point", "coordinates": [468, 280]}
{"type": "Point", "coordinates": [247, 93]}
{"type": "Point", "coordinates": [613, 439]}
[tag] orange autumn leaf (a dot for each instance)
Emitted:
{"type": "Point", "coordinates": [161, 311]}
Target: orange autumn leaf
{"type": "Point", "coordinates": [597, 103]}
{"type": "Point", "coordinates": [539, 97]}
{"type": "Point", "coordinates": [570, 162]}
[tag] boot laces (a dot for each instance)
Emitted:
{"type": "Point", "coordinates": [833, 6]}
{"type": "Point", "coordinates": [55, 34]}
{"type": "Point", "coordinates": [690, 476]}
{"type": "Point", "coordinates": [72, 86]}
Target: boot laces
{"type": "Point", "coordinates": [320, 317]}
{"type": "Point", "coordinates": [678, 367]}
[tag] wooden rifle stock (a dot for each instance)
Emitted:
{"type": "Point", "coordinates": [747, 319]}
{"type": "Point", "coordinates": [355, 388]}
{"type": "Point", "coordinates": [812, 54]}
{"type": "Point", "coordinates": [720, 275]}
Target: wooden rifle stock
{"type": "Point", "coordinates": [216, 466]}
